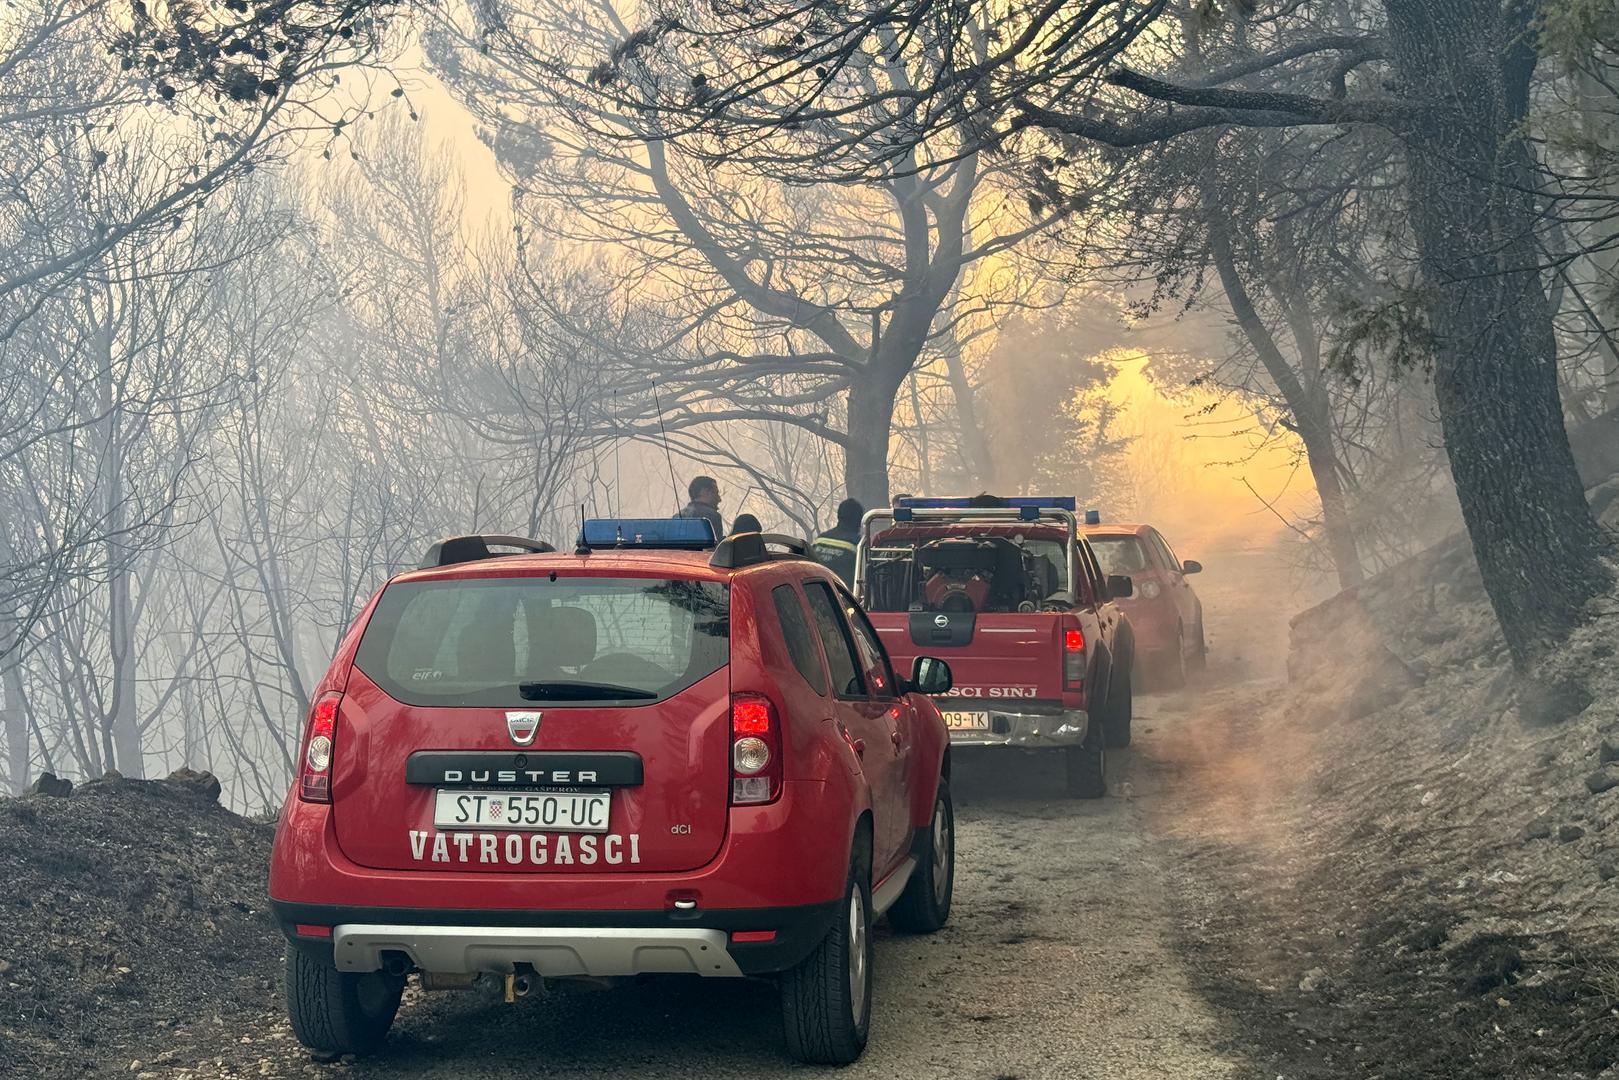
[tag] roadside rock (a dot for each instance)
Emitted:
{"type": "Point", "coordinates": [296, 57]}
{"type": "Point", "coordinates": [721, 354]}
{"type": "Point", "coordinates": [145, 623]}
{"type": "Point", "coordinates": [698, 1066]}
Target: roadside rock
{"type": "Point", "coordinates": [1609, 751]}
{"type": "Point", "coordinates": [1538, 829]}
{"type": "Point", "coordinates": [51, 785]}
{"type": "Point", "coordinates": [1603, 779]}
{"type": "Point", "coordinates": [205, 784]}
{"type": "Point", "coordinates": [1314, 980]}
{"type": "Point", "coordinates": [1569, 833]}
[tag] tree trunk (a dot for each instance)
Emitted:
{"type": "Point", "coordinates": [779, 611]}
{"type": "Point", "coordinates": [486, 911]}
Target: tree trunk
{"type": "Point", "coordinates": [973, 436]}
{"type": "Point", "coordinates": [1335, 520]}
{"type": "Point", "coordinates": [122, 719]}
{"type": "Point", "coordinates": [121, 733]}
{"type": "Point", "coordinates": [1495, 379]}
{"type": "Point", "coordinates": [865, 459]}
{"type": "Point", "coordinates": [14, 722]}
{"type": "Point", "coordinates": [1312, 416]}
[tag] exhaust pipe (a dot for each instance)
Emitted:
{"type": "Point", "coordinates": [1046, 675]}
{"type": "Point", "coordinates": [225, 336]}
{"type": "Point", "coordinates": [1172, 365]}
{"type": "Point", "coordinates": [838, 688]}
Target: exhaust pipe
{"type": "Point", "coordinates": [520, 986]}
{"type": "Point", "coordinates": [396, 964]}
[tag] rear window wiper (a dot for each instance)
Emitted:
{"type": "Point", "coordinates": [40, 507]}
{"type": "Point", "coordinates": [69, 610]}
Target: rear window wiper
{"type": "Point", "coordinates": [567, 690]}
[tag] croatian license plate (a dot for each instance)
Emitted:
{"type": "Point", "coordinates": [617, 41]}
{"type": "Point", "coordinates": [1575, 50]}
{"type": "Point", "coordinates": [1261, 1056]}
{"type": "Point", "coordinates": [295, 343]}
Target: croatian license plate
{"type": "Point", "coordinates": [545, 811]}
{"type": "Point", "coordinates": [967, 721]}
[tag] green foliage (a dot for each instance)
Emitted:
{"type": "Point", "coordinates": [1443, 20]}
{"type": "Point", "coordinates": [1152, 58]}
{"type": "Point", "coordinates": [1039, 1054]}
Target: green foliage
{"type": "Point", "coordinates": [1572, 31]}
{"type": "Point", "coordinates": [1391, 331]}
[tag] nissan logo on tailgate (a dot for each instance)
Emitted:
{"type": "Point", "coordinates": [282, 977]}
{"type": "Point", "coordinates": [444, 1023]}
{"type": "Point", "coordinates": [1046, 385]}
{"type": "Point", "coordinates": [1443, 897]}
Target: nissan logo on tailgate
{"type": "Point", "coordinates": [523, 726]}
{"type": "Point", "coordinates": [941, 620]}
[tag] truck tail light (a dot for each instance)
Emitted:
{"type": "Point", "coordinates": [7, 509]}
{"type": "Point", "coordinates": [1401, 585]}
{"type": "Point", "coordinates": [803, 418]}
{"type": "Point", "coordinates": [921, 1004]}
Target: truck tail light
{"type": "Point", "coordinates": [1073, 656]}
{"type": "Point", "coordinates": [756, 770]}
{"type": "Point", "coordinates": [315, 766]}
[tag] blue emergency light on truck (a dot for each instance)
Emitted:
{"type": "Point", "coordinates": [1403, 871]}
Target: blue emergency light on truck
{"type": "Point", "coordinates": [970, 502]}
{"type": "Point", "coordinates": [1028, 506]}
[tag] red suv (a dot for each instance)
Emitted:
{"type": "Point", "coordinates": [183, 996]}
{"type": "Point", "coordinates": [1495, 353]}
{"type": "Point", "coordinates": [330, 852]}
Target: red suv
{"type": "Point", "coordinates": [646, 756]}
{"type": "Point", "coordinates": [1163, 609]}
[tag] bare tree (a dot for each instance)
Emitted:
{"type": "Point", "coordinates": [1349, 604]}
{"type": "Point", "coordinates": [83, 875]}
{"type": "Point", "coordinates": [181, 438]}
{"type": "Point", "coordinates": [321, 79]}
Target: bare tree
{"type": "Point", "coordinates": [807, 305]}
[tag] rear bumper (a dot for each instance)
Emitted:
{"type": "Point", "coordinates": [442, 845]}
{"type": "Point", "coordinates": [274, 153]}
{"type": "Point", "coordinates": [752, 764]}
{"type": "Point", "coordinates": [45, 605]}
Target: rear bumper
{"type": "Point", "coordinates": [1028, 731]}
{"type": "Point", "coordinates": [559, 944]}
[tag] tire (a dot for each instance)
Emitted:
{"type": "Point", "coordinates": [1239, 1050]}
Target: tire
{"type": "Point", "coordinates": [1086, 768]}
{"type": "Point", "coordinates": [924, 906]}
{"type": "Point", "coordinates": [1200, 654]}
{"type": "Point", "coordinates": [1120, 711]}
{"type": "Point", "coordinates": [1172, 665]}
{"type": "Point", "coordinates": [340, 1012]}
{"type": "Point", "coordinates": [826, 1000]}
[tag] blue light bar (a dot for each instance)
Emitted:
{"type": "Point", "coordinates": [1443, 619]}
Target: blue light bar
{"type": "Point", "coordinates": [688, 534]}
{"type": "Point", "coordinates": [963, 502]}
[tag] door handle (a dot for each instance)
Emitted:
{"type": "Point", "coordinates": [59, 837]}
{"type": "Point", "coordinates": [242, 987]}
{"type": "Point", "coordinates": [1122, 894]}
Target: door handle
{"type": "Point", "coordinates": [897, 739]}
{"type": "Point", "coordinates": [859, 747]}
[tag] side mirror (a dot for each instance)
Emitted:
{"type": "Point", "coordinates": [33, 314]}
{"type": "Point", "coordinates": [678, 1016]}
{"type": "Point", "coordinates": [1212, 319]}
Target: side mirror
{"type": "Point", "coordinates": [1120, 587]}
{"type": "Point", "coordinates": [930, 675]}
{"type": "Point", "coordinates": [1191, 566]}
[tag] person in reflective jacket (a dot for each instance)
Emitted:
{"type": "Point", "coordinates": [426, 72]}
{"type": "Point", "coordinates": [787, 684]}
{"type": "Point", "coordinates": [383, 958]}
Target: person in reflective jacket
{"type": "Point", "coordinates": [834, 548]}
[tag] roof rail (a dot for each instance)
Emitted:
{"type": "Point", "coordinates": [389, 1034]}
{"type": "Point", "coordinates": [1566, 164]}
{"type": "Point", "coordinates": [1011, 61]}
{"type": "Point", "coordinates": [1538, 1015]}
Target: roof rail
{"type": "Point", "coordinates": [746, 549]}
{"type": "Point", "coordinates": [460, 549]}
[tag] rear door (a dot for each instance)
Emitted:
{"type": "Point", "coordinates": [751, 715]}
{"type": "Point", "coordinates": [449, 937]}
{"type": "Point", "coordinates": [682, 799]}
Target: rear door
{"type": "Point", "coordinates": [888, 710]}
{"type": "Point", "coordinates": [543, 724]}
{"type": "Point", "coordinates": [864, 721]}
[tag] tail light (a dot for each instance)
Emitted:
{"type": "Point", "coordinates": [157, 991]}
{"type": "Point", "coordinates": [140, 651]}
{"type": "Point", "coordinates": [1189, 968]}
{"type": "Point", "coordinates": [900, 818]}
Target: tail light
{"type": "Point", "coordinates": [755, 750]}
{"type": "Point", "coordinates": [1073, 657]}
{"type": "Point", "coordinates": [315, 766]}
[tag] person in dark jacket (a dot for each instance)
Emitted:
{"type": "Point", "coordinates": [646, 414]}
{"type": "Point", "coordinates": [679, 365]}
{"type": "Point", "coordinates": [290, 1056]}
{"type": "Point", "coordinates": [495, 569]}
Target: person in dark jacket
{"type": "Point", "coordinates": [746, 523]}
{"type": "Point", "coordinates": [704, 492]}
{"type": "Point", "coordinates": [835, 548]}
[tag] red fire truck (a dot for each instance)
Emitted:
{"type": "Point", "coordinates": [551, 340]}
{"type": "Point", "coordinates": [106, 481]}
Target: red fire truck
{"type": "Point", "coordinates": [1009, 593]}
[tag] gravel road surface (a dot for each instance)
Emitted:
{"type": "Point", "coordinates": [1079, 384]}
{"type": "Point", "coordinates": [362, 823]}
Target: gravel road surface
{"type": "Point", "coordinates": [1059, 961]}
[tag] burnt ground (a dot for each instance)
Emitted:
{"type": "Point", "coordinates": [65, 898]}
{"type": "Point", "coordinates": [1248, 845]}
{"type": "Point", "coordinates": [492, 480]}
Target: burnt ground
{"type": "Point", "coordinates": [1400, 925]}
{"type": "Point", "coordinates": [133, 926]}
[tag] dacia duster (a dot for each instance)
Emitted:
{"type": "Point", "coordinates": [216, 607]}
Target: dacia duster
{"type": "Point", "coordinates": [653, 755]}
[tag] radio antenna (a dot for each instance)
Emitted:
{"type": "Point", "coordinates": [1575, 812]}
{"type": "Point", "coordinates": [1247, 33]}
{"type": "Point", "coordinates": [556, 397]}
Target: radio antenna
{"type": "Point", "coordinates": [583, 547]}
{"type": "Point", "coordinates": [667, 453]}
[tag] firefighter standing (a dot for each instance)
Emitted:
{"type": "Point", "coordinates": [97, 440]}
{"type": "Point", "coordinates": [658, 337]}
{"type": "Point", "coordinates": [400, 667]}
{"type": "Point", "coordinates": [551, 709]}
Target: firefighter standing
{"type": "Point", "coordinates": [835, 548]}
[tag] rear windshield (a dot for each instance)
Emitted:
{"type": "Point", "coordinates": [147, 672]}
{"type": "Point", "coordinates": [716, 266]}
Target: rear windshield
{"type": "Point", "coordinates": [511, 642]}
{"type": "Point", "coordinates": [981, 572]}
{"type": "Point", "coordinates": [1120, 554]}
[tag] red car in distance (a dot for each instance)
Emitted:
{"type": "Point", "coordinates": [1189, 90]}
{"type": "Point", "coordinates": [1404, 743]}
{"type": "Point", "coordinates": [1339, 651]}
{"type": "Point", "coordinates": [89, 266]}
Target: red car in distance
{"type": "Point", "coordinates": [1163, 610]}
{"type": "Point", "coordinates": [654, 754]}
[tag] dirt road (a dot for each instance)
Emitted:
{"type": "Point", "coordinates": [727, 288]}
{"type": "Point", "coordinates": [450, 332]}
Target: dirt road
{"type": "Point", "coordinates": [1059, 962]}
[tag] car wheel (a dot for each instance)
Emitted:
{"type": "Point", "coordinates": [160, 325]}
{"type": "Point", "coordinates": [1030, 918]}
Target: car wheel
{"type": "Point", "coordinates": [1120, 711]}
{"type": "Point", "coordinates": [924, 906]}
{"type": "Point", "coordinates": [343, 1012]}
{"type": "Point", "coordinates": [826, 1000]}
{"type": "Point", "coordinates": [1200, 651]}
{"type": "Point", "coordinates": [1086, 766]}
{"type": "Point", "coordinates": [1172, 664]}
